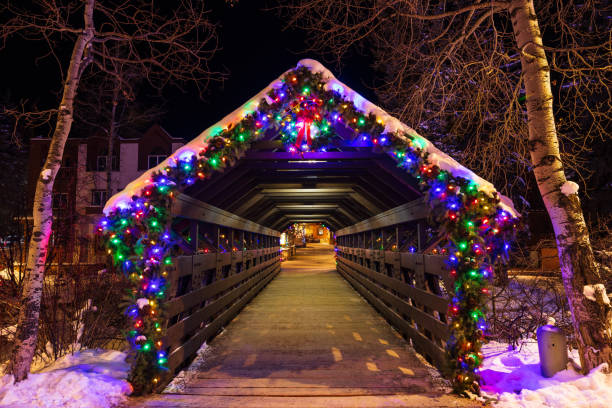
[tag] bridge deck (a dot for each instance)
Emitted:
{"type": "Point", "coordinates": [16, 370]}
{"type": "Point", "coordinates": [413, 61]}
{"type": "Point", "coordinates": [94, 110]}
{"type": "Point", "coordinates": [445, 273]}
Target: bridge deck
{"type": "Point", "coordinates": [307, 340]}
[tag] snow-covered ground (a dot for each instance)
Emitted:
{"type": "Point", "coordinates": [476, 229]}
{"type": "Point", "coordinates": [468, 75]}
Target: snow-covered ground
{"type": "Point", "coordinates": [513, 377]}
{"type": "Point", "coordinates": [85, 379]}
{"type": "Point", "coordinates": [96, 379]}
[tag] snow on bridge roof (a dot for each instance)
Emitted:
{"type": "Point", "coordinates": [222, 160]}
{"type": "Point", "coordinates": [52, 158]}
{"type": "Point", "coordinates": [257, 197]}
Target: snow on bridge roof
{"type": "Point", "coordinates": [392, 124]}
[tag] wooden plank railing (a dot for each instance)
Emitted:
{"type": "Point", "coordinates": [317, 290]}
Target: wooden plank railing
{"type": "Point", "coordinates": [413, 210]}
{"type": "Point", "coordinates": [212, 307]}
{"type": "Point", "coordinates": [215, 278]}
{"type": "Point", "coordinates": [416, 313]}
{"type": "Point", "coordinates": [199, 315]}
{"type": "Point", "coordinates": [387, 266]}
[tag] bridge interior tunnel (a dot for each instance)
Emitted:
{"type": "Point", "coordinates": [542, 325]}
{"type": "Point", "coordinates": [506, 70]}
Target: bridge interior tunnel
{"type": "Point", "coordinates": [374, 208]}
{"type": "Point", "coordinates": [327, 341]}
{"type": "Point", "coordinates": [274, 188]}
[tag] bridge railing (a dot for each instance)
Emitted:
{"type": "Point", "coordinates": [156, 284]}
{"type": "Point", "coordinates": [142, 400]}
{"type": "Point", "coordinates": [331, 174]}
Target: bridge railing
{"type": "Point", "coordinates": [383, 259]}
{"type": "Point", "coordinates": [226, 261]}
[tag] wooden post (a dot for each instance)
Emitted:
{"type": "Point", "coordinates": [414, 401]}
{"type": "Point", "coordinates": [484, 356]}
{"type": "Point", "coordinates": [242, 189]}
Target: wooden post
{"type": "Point", "coordinates": [397, 238]}
{"type": "Point", "coordinates": [219, 257]}
{"type": "Point", "coordinates": [194, 235]}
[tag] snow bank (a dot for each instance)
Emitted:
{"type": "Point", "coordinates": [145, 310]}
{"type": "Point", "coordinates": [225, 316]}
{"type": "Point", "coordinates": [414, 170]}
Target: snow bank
{"type": "Point", "coordinates": [513, 377]}
{"type": "Point", "coordinates": [86, 379]}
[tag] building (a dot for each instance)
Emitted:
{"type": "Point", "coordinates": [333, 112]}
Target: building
{"type": "Point", "coordinates": [80, 187]}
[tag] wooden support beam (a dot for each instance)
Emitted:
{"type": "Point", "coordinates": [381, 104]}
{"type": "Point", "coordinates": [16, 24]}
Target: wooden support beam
{"type": "Point", "coordinates": [316, 166]}
{"type": "Point", "coordinates": [398, 174]}
{"type": "Point", "coordinates": [293, 192]}
{"type": "Point", "coordinates": [249, 203]}
{"type": "Point", "coordinates": [292, 157]}
{"type": "Point", "coordinates": [347, 215]}
{"type": "Point", "coordinates": [280, 223]}
{"type": "Point", "coordinates": [374, 197]}
{"type": "Point", "coordinates": [411, 211]}
{"type": "Point", "coordinates": [267, 214]}
{"type": "Point", "coordinates": [189, 207]}
{"type": "Point", "coordinates": [218, 184]}
{"type": "Point", "coordinates": [365, 203]}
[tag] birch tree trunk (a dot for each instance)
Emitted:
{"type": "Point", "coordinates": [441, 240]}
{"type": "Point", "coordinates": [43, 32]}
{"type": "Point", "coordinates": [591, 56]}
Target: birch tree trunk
{"type": "Point", "coordinates": [42, 214]}
{"type": "Point", "coordinates": [590, 316]}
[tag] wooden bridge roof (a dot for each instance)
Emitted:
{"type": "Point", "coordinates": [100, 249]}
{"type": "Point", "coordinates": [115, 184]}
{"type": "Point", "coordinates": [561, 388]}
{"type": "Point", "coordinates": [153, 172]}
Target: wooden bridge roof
{"type": "Point", "coordinates": [275, 188]}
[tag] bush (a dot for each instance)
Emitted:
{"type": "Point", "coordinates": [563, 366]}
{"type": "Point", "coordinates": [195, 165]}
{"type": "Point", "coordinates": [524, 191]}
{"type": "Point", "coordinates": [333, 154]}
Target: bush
{"type": "Point", "coordinates": [80, 305]}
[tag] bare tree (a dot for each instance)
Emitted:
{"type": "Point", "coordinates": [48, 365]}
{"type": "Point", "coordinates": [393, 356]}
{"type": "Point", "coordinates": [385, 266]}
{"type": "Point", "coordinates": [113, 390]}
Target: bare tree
{"type": "Point", "coordinates": [110, 105]}
{"type": "Point", "coordinates": [171, 46]}
{"type": "Point", "coordinates": [476, 77]}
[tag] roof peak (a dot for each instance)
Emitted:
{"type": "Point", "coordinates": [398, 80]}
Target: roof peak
{"type": "Point", "coordinates": [392, 125]}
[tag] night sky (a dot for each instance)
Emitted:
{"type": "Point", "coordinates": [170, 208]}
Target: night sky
{"type": "Point", "coordinates": [255, 51]}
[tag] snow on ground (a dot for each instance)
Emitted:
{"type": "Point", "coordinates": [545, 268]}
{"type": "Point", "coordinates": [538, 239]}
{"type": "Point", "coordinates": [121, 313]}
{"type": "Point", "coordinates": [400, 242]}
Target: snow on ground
{"type": "Point", "coordinates": [513, 377]}
{"type": "Point", "coordinates": [85, 379]}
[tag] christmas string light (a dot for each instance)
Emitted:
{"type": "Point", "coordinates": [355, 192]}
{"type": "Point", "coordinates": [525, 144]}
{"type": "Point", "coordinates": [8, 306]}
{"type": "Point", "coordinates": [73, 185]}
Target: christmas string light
{"type": "Point", "coordinates": [308, 117]}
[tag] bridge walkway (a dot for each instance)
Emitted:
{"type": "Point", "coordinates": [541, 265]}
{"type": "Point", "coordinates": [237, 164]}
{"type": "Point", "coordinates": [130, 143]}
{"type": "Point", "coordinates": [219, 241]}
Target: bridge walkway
{"type": "Point", "coordinates": [307, 340]}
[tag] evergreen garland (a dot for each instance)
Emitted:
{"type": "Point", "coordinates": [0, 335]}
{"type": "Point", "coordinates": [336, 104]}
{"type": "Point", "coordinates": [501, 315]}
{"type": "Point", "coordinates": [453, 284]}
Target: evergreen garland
{"type": "Point", "coordinates": [138, 237]}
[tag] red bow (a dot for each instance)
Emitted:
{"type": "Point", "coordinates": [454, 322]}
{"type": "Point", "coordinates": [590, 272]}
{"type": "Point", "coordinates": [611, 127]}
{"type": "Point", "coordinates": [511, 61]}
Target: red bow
{"type": "Point", "coordinates": [304, 130]}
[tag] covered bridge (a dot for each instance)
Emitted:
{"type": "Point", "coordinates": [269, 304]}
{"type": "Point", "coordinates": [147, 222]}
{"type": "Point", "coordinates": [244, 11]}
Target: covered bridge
{"type": "Point", "coordinates": [416, 232]}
